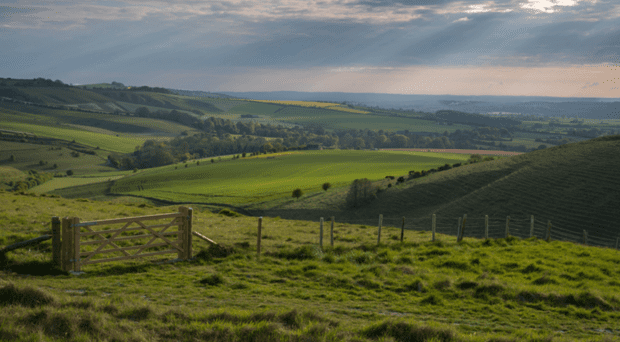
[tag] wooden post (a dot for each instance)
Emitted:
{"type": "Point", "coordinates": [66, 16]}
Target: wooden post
{"type": "Point", "coordinates": [507, 226]}
{"type": "Point", "coordinates": [548, 231]}
{"type": "Point", "coordinates": [67, 238]}
{"type": "Point", "coordinates": [56, 245]}
{"type": "Point", "coordinates": [260, 222]}
{"type": "Point", "coordinates": [331, 233]}
{"type": "Point", "coordinates": [379, 232]}
{"type": "Point", "coordinates": [321, 235]}
{"type": "Point", "coordinates": [402, 231]}
{"type": "Point", "coordinates": [531, 225]}
{"type": "Point", "coordinates": [585, 238]}
{"type": "Point", "coordinates": [458, 229]}
{"type": "Point", "coordinates": [486, 226]}
{"type": "Point", "coordinates": [433, 225]}
{"type": "Point", "coordinates": [189, 246]}
{"type": "Point", "coordinates": [181, 236]}
{"type": "Point", "coordinates": [462, 235]}
{"type": "Point", "coordinates": [76, 245]}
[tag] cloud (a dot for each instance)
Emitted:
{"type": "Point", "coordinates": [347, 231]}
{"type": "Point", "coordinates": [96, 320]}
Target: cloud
{"type": "Point", "coordinates": [461, 19]}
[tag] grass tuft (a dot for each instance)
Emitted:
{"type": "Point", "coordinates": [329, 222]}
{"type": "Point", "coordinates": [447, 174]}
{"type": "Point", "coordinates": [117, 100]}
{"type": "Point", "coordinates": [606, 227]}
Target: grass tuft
{"type": "Point", "coordinates": [26, 296]}
{"type": "Point", "coordinates": [405, 332]}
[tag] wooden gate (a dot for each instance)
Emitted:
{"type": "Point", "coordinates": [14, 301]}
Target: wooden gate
{"type": "Point", "coordinates": [74, 231]}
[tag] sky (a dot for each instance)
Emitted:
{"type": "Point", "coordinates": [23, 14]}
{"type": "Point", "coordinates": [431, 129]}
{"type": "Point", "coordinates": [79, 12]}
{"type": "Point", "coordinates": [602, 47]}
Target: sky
{"type": "Point", "coordinates": [564, 48]}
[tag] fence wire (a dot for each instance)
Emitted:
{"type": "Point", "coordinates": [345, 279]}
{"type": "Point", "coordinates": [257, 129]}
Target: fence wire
{"type": "Point", "coordinates": [520, 227]}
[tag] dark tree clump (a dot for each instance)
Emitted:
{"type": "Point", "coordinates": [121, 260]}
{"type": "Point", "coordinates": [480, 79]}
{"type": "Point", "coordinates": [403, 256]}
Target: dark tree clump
{"type": "Point", "coordinates": [326, 186]}
{"type": "Point", "coordinates": [297, 193]}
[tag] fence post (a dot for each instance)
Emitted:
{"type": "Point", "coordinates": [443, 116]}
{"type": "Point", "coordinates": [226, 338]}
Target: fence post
{"type": "Point", "coordinates": [548, 231]}
{"type": "Point", "coordinates": [462, 235]}
{"type": "Point", "coordinates": [379, 231]}
{"type": "Point", "coordinates": [189, 246]}
{"type": "Point", "coordinates": [56, 245]}
{"type": "Point", "coordinates": [331, 233]}
{"type": "Point", "coordinates": [433, 225]}
{"type": "Point", "coordinates": [260, 222]}
{"type": "Point", "coordinates": [67, 238]}
{"type": "Point", "coordinates": [402, 230]}
{"type": "Point", "coordinates": [507, 226]}
{"type": "Point", "coordinates": [76, 242]}
{"type": "Point", "coordinates": [458, 228]}
{"type": "Point", "coordinates": [486, 226]}
{"type": "Point", "coordinates": [321, 235]}
{"type": "Point", "coordinates": [531, 225]}
{"type": "Point", "coordinates": [585, 238]}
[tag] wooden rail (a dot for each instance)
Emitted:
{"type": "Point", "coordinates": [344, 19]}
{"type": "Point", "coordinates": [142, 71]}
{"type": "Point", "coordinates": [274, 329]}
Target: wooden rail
{"type": "Point", "coordinates": [67, 236]}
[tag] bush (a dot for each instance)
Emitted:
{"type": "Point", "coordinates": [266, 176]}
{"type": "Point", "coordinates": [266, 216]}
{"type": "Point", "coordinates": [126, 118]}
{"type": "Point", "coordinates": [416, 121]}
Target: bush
{"type": "Point", "coordinates": [456, 165]}
{"type": "Point", "coordinates": [12, 158]}
{"type": "Point", "coordinates": [243, 155]}
{"type": "Point", "coordinates": [229, 213]}
{"type": "Point", "coordinates": [297, 193]}
{"type": "Point", "coordinates": [55, 166]}
{"type": "Point", "coordinates": [326, 186]}
{"type": "Point", "coordinates": [400, 179]}
{"type": "Point", "coordinates": [69, 172]}
{"type": "Point", "coordinates": [212, 160]}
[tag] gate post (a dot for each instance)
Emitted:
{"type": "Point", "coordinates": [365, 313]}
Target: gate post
{"type": "Point", "coordinates": [67, 240]}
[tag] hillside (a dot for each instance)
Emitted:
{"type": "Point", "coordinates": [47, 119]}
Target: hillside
{"type": "Point", "coordinates": [575, 186]}
{"type": "Point", "coordinates": [357, 291]}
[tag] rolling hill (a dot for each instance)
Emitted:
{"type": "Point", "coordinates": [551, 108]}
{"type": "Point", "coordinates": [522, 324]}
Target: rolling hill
{"type": "Point", "coordinates": [575, 186]}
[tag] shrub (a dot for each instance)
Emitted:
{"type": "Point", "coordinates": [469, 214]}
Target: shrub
{"type": "Point", "coordinates": [12, 158]}
{"type": "Point", "coordinates": [456, 165]}
{"type": "Point", "coordinates": [69, 172]}
{"type": "Point", "coordinates": [297, 193]}
{"type": "Point", "coordinates": [243, 155]}
{"type": "Point", "coordinates": [55, 166]}
{"type": "Point", "coordinates": [326, 186]}
{"type": "Point", "coordinates": [41, 162]}
{"type": "Point", "coordinates": [229, 213]}
{"type": "Point", "coordinates": [389, 177]}
{"type": "Point", "coordinates": [135, 170]}
{"type": "Point", "coordinates": [198, 162]}
{"type": "Point", "coordinates": [400, 179]}
{"type": "Point", "coordinates": [389, 185]}
{"type": "Point", "coordinates": [212, 160]}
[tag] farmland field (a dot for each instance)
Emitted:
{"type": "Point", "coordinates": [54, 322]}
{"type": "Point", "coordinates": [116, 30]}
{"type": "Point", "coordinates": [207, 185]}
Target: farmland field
{"type": "Point", "coordinates": [263, 179]}
{"type": "Point", "coordinates": [107, 142]}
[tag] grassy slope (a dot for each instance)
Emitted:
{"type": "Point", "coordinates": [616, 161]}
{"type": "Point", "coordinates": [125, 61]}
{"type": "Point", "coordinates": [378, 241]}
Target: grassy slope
{"type": "Point", "coordinates": [575, 186]}
{"type": "Point", "coordinates": [500, 290]}
{"type": "Point", "coordinates": [257, 180]}
{"type": "Point", "coordinates": [28, 156]}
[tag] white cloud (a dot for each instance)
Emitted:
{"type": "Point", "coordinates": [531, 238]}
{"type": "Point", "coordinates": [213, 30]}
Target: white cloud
{"type": "Point", "coordinates": [548, 6]}
{"type": "Point", "coordinates": [462, 19]}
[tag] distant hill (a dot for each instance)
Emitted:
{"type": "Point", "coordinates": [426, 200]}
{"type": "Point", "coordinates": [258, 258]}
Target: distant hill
{"type": "Point", "coordinates": [589, 108]}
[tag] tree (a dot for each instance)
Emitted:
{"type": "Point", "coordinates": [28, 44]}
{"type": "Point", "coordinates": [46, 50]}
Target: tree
{"type": "Point", "coordinates": [297, 193]}
{"type": "Point", "coordinates": [69, 172]}
{"type": "Point", "coordinates": [12, 158]}
{"type": "Point", "coordinates": [360, 193]}
{"type": "Point", "coordinates": [55, 166]}
{"type": "Point", "coordinates": [212, 160]}
{"type": "Point", "coordinates": [326, 186]}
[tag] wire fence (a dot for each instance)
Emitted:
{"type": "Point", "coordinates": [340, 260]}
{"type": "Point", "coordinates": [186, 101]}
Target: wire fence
{"type": "Point", "coordinates": [493, 228]}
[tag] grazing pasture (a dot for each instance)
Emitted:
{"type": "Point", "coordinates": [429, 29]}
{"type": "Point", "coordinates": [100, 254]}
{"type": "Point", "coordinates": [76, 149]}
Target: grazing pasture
{"type": "Point", "coordinates": [263, 179]}
{"type": "Point", "coordinates": [418, 290]}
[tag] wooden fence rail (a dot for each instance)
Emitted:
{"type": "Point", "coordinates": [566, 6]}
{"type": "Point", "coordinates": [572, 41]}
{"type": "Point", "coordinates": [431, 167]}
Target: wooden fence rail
{"type": "Point", "coordinates": [67, 239]}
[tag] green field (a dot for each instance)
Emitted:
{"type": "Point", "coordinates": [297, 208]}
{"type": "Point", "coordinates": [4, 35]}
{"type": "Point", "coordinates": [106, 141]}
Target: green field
{"type": "Point", "coordinates": [28, 157]}
{"type": "Point", "coordinates": [107, 142]}
{"type": "Point", "coordinates": [418, 290]}
{"type": "Point", "coordinates": [257, 180]}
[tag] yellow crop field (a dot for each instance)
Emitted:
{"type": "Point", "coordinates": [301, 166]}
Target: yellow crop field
{"type": "Point", "coordinates": [326, 105]}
